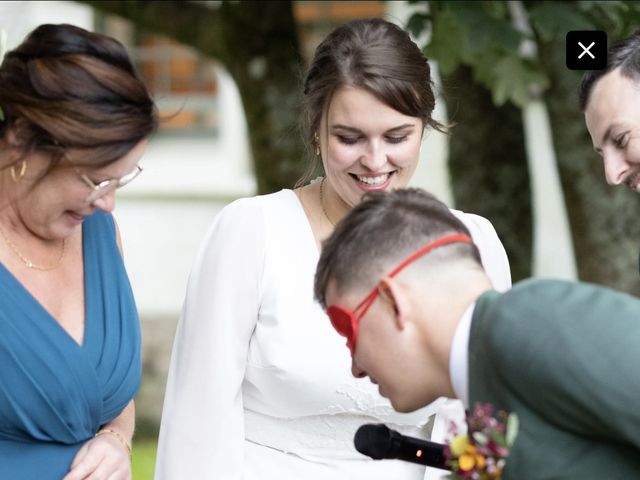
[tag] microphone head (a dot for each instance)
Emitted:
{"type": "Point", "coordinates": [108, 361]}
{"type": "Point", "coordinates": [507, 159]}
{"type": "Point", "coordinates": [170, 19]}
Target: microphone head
{"type": "Point", "coordinates": [373, 440]}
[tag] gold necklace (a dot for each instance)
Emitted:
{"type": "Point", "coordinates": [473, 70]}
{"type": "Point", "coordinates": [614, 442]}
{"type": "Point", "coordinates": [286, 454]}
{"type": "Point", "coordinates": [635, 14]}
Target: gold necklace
{"type": "Point", "coordinates": [324, 210]}
{"type": "Point", "coordinates": [28, 262]}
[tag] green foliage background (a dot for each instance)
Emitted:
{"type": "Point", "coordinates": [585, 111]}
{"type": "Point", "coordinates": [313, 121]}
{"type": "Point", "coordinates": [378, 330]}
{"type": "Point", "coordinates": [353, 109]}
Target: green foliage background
{"type": "Point", "coordinates": [486, 83]}
{"type": "Point", "coordinates": [482, 36]}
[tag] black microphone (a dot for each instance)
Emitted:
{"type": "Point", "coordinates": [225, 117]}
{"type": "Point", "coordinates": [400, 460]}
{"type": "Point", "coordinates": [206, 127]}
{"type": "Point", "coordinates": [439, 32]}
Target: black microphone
{"type": "Point", "coordinates": [378, 441]}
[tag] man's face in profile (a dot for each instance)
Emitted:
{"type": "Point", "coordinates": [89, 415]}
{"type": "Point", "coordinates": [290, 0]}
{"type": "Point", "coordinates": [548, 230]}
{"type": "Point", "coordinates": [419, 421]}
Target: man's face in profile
{"type": "Point", "coordinates": [613, 120]}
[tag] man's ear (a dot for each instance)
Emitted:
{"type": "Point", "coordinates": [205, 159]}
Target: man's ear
{"type": "Point", "coordinates": [396, 296]}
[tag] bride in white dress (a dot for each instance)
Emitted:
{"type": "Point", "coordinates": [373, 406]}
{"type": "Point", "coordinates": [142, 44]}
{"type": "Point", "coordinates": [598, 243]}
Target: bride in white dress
{"type": "Point", "coordinates": [259, 385]}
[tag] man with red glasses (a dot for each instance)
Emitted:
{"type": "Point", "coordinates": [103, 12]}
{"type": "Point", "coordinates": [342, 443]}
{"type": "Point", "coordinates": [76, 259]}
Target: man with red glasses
{"type": "Point", "coordinates": [401, 280]}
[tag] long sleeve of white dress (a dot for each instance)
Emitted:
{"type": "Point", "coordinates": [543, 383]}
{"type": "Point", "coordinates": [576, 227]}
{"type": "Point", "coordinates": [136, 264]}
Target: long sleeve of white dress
{"type": "Point", "coordinates": [202, 423]}
{"type": "Point", "coordinates": [494, 256]}
{"type": "Point", "coordinates": [260, 386]}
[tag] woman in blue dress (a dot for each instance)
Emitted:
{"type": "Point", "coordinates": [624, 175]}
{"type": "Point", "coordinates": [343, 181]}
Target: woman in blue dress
{"type": "Point", "coordinates": [74, 122]}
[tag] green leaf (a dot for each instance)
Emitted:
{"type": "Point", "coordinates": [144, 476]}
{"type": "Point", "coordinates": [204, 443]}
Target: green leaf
{"type": "Point", "coordinates": [447, 42]}
{"type": "Point", "coordinates": [617, 18]}
{"type": "Point", "coordinates": [611, 17]}
{"type": "Point", "coordinates": [484, 66]}
{"type": "Point", "coordinates": [417, 23]}
{"type": "Point", "coordinates": [483, 30]}
{"type": "Point", "coordinates": [497, 9]}
{"type": "Point", "coordinates": [480, 438]}
{"type": "Point", "coordinates": [554, 19]}
{"type": "Point", "coordinates": [514, 78]}
{"type": "Point", "coordinates": [498, 438]}
{"type": "Point", "coordinates": [513, 425]}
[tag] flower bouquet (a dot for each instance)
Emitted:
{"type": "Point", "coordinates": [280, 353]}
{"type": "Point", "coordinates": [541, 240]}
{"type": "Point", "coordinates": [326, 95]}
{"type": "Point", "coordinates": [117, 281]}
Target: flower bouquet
{"type": "Point", "coordinates": [481, 453]}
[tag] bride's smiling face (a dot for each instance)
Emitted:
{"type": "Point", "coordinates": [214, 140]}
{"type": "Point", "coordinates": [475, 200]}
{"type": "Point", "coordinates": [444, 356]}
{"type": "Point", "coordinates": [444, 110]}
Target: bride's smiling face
{"type": "Point", "coordinates": [367, 145]}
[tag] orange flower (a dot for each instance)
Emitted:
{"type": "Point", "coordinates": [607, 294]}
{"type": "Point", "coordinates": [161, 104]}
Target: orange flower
{"type": "Point", "coordinates": [466, 462]}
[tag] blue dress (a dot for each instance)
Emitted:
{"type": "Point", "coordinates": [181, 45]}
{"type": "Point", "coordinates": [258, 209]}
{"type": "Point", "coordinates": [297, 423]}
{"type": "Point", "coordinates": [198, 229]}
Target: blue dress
{"type": "Point", "coordinates": [54, 393]}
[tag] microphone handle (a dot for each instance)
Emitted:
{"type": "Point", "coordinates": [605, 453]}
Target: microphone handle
{"type": "Point", "coordinates": [418, 451]}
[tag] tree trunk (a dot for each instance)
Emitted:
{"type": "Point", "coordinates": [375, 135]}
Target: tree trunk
{"type": "Point", "coordinates": [257, 42]}
{"type": "Point", "coordinates": [261, 37]}
{"type": "Point", "coordinates": [488, 165]}
{"type": "Point", "coordinates": [553, 252]}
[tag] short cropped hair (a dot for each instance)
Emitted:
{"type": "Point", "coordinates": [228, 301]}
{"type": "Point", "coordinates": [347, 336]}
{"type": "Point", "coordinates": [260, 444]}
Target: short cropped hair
{"type": "Point", "coordinates": [382, 230]}
{"type": "Point", "coordinates": [624, 54]}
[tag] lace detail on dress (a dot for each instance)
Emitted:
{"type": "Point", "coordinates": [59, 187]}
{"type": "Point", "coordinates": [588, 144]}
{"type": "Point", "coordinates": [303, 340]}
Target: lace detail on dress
{"type": "Point", "coordinates": [329, 434]}
{"type": "Point", "coordinates": [359, 398]}
{"type": "Point", "coordinates": [316, 437]}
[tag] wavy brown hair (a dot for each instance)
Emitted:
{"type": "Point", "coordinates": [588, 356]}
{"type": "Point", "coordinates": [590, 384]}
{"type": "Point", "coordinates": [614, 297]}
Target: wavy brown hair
{"type": "Point", "coordinates": [65, 87]}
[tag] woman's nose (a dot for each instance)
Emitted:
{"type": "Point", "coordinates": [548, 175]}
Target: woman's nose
{"type": "Point", "coordinates": [375, 157]}
{"type": "Point", "coordinates": [107, 202]}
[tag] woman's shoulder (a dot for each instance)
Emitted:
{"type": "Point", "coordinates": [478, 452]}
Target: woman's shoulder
{"type": "Point", "coordinates": [474, 222]}
{"type": "Point", "coordinates": [492, 252]}
{"type": "Point", "coordinates": [276, 211]}
{"type": "Point", "coordinates": [245, 230]}
{"type": "Point", "coordinates": [260, 203]}
{"type": "Point", "coordinates": [252, 216]}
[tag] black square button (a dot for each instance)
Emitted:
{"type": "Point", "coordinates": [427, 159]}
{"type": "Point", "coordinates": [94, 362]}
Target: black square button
{"type": "Point", "coordinates": [586, 50]}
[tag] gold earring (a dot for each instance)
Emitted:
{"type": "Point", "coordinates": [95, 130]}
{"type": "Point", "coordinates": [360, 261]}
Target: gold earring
{"type": "Point", "coordinates": [23, 170]}
{"type": "Point", "coordinates": [317, 140]}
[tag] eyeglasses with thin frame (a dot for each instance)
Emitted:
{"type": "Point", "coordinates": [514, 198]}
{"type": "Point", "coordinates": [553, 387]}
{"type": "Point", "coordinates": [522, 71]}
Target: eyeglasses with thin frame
{"type": "Point", "coordinates": [99, 190]}
{"type": "Point", "coordinates": [346, 322]}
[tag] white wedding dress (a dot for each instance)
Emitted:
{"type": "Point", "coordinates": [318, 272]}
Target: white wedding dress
{"type": "Point", "coordinates": [260, 385]}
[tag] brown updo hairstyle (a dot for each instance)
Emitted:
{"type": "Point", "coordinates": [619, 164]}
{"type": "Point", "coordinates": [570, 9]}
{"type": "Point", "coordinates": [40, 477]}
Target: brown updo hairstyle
{"type": "Point", "coordinates": [65, 87]}
{"type": "Point", "coordinates": [375, 55]}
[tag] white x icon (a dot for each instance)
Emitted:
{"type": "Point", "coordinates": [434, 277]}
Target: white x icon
{"type": "Point", "coordinates": [586, 50]}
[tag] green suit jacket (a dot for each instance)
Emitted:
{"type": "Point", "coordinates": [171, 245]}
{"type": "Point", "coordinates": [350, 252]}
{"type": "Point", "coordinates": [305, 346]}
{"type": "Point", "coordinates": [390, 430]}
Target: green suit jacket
{"type": "Point", "coordinates": [566, 358]}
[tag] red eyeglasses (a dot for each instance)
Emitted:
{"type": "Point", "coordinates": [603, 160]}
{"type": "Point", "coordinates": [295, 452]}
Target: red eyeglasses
{"type": "Point", "coordinates": [346, 321]}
